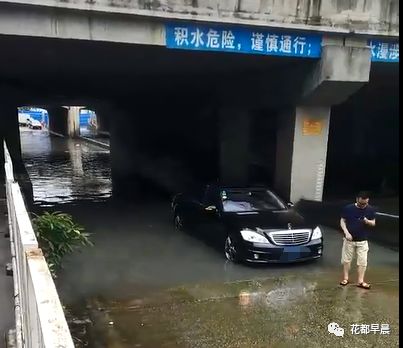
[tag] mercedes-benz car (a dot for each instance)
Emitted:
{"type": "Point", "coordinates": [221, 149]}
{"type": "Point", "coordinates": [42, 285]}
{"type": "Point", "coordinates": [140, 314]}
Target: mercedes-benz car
{"type": "Point", "coordinates": [249, 224]}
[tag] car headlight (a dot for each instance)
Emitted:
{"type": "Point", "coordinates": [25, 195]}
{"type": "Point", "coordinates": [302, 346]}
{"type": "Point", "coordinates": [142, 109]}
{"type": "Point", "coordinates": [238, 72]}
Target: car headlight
{"type": "Point", "coordinates": [317, 233]}
{"type": "Point", "coordinates": [254, 237]}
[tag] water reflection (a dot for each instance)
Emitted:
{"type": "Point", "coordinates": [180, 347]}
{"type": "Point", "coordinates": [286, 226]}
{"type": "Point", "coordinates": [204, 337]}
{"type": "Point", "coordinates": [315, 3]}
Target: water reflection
{"type": "Point", "coordinates": [280, 297]}
{"type": "Point", "coordinates": [65, 170]}
{"type": "Point", "coordinates": [75, 152]}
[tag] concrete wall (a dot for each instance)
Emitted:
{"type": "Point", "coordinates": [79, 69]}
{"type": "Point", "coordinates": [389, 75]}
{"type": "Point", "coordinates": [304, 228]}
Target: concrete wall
{"type": "Point", "coordinates": [54, 18]}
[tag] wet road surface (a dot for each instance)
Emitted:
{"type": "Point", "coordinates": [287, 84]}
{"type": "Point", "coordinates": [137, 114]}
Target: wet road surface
{"type": "Point", "coordinates": [65, 170]}
{"type": "Point", "coordinates": [145, 285]}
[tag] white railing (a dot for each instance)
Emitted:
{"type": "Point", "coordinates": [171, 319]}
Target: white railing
{"type": "Point", "coordinates": [39, 316]}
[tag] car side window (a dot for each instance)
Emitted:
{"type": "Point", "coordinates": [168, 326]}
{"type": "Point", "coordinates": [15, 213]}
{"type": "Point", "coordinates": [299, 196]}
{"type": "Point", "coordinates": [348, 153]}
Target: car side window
{"type": "Point", "coordinates": [210, 196]}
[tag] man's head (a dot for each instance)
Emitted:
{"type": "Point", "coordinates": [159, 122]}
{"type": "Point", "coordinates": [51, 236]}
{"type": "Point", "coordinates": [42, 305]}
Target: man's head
{"type": "Point", "coordinates": [362, 199]}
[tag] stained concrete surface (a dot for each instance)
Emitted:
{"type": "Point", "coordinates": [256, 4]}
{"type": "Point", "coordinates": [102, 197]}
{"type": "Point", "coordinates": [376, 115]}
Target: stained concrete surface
{"type": "Point", "coordinates": [145, 285]}
{"type": "Point", "coordinates": [276, 312]}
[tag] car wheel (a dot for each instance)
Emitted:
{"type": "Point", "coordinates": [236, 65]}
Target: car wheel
{"type": "Point", "coordinates": [178, 221]}
{"type": "Point", "coordinates": [231, 250]}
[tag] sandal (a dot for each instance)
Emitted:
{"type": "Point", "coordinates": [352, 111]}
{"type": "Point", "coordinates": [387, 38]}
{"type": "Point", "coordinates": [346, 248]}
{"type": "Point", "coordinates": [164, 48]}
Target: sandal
{"type": "Point", "coordinates": [364, 285]}
{"type": "Point", "coordinates": [344, 282]}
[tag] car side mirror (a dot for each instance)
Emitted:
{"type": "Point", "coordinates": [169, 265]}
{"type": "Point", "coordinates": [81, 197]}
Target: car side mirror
{"type": "Point", "coordinates": [211, 208]}
{"type": "Point", "coordinates": [290, 205]}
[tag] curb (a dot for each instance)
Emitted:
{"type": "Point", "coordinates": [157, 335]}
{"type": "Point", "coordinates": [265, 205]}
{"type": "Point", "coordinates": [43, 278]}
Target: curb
{"type": "Point", "coordinates": [95, 142]}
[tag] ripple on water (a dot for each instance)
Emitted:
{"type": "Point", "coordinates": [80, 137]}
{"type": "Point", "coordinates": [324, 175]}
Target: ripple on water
{"type": "Point", "coordinates": [65, 170]}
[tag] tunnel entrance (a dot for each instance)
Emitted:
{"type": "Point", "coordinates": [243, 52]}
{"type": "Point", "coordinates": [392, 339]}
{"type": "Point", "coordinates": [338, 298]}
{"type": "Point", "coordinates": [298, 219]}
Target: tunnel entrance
{"type": "Point", "coordinates": [164, 105]}
{"type": "Point", "coordinates": [363, 149]}
{"type": "Point", "coordinates": [61, 169]}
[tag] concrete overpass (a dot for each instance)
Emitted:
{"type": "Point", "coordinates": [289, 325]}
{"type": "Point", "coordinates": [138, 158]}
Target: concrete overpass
{"type": "Point", "coordinates": [113, 20]}
{"type": "Point", "coordinates": [196, 112]}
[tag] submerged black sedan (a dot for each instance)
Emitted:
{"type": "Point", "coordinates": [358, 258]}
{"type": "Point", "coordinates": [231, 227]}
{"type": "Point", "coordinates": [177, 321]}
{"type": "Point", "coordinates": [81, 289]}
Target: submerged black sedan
{"type": "Point", "coordinates": [250, 224]}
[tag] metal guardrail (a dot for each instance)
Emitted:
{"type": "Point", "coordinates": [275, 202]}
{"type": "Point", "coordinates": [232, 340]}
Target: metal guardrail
{"type": "Point", "coordinates": [392, 216]}
{"type": "Point", "coordinates": [39, 316]}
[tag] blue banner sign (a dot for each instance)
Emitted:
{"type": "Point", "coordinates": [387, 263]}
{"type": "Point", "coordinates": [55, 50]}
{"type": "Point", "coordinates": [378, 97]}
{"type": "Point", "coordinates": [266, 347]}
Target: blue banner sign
{"type": "Point", "coordinates": [242, 40]}
{"type": "Point", "coordinates": [384, 51]}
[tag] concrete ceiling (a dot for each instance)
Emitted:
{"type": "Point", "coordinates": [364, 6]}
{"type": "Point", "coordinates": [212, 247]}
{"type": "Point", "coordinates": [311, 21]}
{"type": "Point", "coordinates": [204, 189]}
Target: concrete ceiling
{"type": "Point", "coordinates": [80, 69]}
{"type": "Point", "coordinates": [82, 72]}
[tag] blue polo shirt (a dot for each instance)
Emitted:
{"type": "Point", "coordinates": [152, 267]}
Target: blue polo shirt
{"type": "Point", "coordinates": [353, 217]}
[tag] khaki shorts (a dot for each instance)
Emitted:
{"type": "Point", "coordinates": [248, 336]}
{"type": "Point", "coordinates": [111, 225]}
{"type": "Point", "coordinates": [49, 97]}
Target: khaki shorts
{"type": "Point", "coordinates": [350, 248]}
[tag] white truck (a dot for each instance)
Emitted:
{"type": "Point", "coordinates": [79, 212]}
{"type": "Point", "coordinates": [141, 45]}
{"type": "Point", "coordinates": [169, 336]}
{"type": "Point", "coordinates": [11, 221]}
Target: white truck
{"type": "Point", "coordinates": [24, 119]}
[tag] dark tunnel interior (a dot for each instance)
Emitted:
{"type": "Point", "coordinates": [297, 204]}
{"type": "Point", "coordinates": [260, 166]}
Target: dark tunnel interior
{"type": "Point", "coordinates": [166, 106]}
{"type": "Point", "coordinates": [363, 147]}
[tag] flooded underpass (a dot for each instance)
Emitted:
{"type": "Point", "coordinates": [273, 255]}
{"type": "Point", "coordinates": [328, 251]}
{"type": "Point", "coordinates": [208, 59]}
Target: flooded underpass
{"type": "Point", "coordinates": [144, 284]}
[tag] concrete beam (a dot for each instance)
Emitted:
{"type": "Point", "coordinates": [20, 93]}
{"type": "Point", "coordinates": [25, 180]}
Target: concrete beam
{"type": "Point", "coordinates": [378, 17]}
{"type": "Point", "coordinates": [63, 23]}
{"type": "Point", "coordinates": [343, 69]}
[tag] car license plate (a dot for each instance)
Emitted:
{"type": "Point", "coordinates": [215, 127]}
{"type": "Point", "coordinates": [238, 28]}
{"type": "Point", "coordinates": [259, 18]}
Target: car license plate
{"type": "Point", "coordinates": [291, 253]}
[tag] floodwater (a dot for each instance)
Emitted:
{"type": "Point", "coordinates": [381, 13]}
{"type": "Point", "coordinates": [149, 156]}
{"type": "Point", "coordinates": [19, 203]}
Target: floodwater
{"type": "Point", "coordinates": [145, 285]}
{"type": "Point", "coordinates": [65, 170]}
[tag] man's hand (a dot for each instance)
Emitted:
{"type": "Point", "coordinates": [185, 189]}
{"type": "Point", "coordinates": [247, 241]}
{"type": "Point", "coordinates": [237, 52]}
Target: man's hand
{"type": "Point", "coordinates": [368, 222]}
{"type": "Point", "coordinates": [343, 226]}
{"type": "Point", "coordinates": [348, 236]}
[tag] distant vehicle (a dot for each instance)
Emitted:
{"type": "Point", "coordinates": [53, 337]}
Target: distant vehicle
{"type": "Point", "coordinates": [35, 124]}
{"type": "Point", "coordinates": [24, 119]}
{"type": "Point", "coordinates": [249, 224]}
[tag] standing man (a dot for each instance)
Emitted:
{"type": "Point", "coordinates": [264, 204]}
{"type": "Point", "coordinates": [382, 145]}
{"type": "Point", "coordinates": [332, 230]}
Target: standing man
{"type": "Point", "coordinates": [356, 221]}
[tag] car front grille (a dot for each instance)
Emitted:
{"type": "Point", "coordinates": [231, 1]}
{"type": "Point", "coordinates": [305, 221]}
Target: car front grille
{"type": "Point", "coordinates": [290, 237]}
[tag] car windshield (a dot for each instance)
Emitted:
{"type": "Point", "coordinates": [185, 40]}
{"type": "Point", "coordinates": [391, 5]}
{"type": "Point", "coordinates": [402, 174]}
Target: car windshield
{"type": "Point", "coordinates": [256, 200]}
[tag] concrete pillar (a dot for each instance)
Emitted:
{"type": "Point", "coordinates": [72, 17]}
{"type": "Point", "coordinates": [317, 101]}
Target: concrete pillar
{"type": "Point", "coordinates": [73, 121]}
{"type": "Point", "coordinates": [234, 127]}
{"type": "Point", "coordinates": [65, 120]}
{"type": "Point", "coordinates": [9, 131]}
{"type": "Point", "coordinates": [144, 155]}
{"type": "Point", "coordinates": [123, 152]}
{"type": "Point", "coordinates": [303, 129]}
{"type": "Point", "coordinates": [58, 120]}
{"type": "Point", "coordinates": [103, 122]}
{"type": "Point", "coordinates": [301, 152]}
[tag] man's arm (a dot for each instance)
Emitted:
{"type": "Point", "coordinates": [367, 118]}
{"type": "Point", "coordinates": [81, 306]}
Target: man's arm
{"type": "Point", "coordinates": [345, 230]}
{"type": "Point", "coordinates": [371, 222]}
